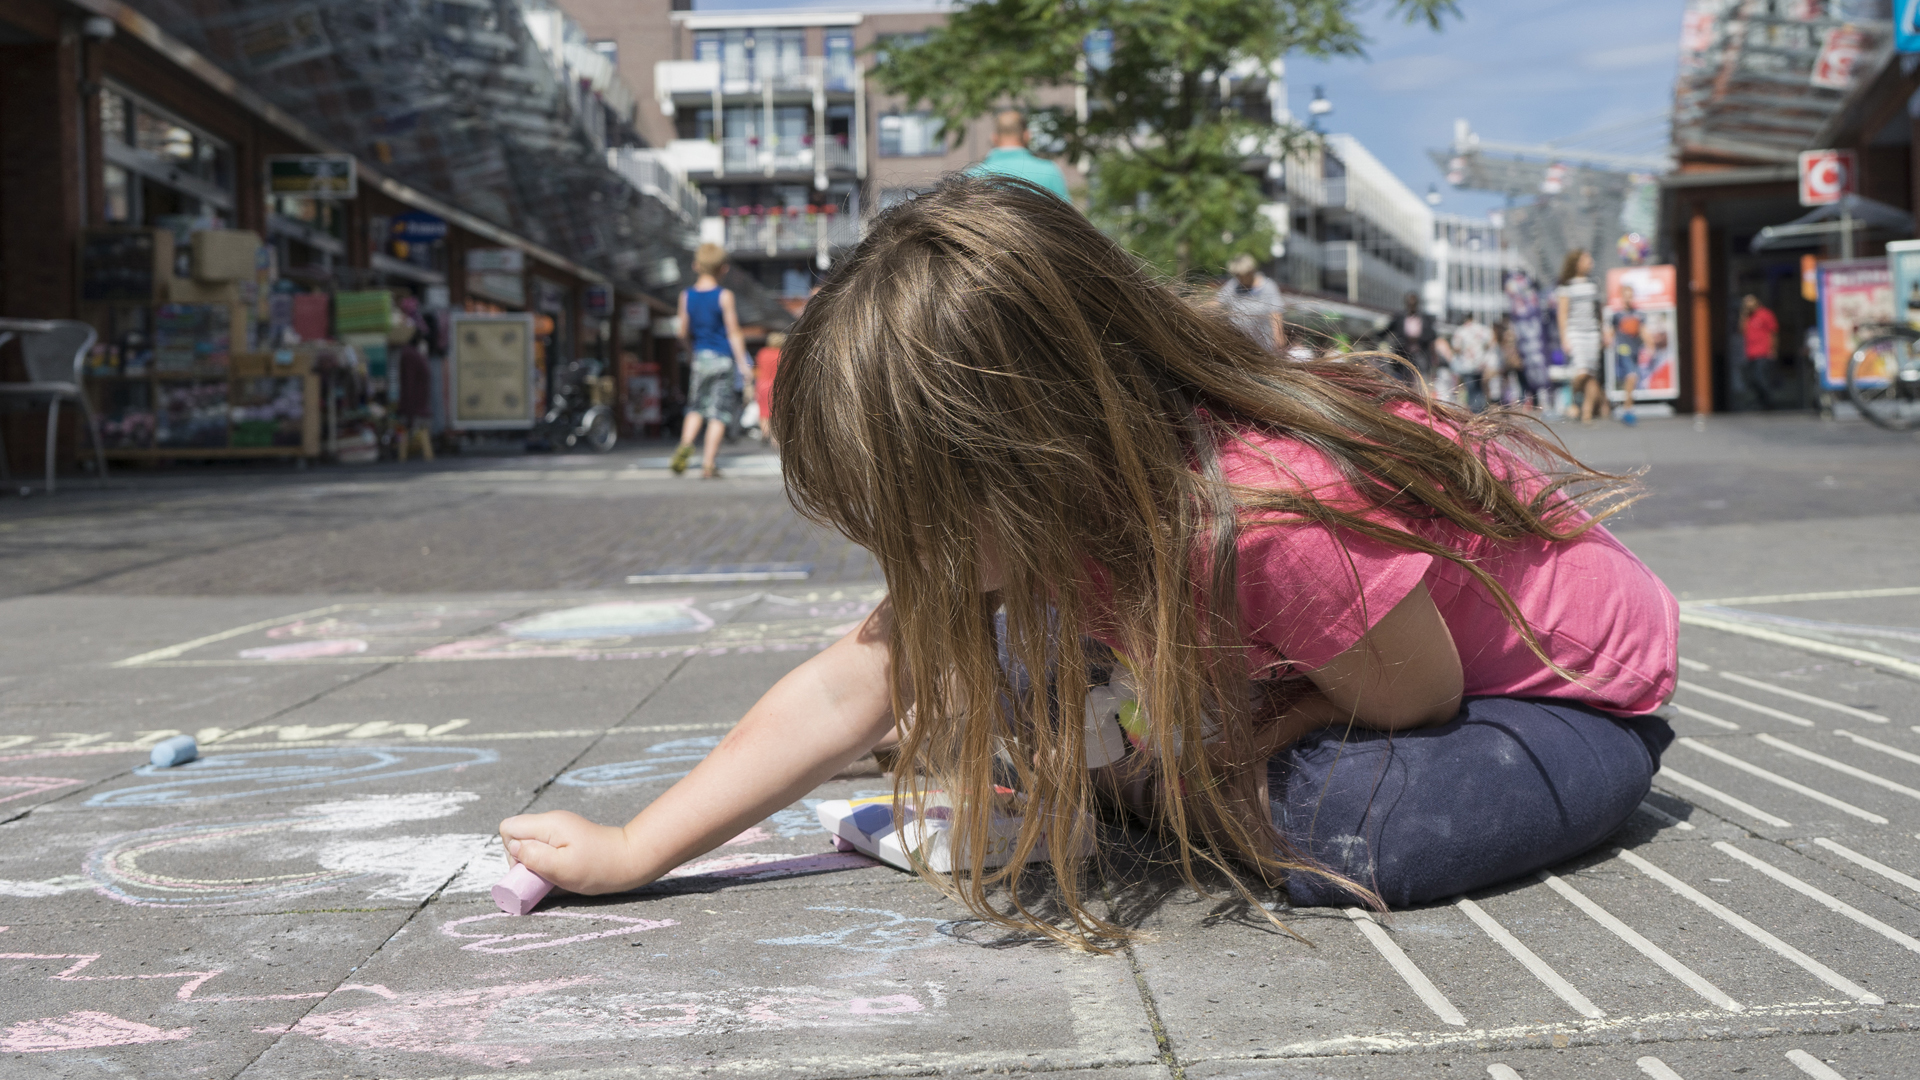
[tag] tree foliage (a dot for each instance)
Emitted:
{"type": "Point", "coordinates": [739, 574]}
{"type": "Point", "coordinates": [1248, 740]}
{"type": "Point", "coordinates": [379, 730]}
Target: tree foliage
{"type": "Point", "coordinates": [1168, 141]}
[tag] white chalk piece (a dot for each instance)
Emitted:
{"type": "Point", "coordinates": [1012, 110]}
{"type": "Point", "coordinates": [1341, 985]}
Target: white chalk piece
{"type": "Point", "coordinates": [521, 890]}
{"type": "Point", "coordinates": [175, 751]}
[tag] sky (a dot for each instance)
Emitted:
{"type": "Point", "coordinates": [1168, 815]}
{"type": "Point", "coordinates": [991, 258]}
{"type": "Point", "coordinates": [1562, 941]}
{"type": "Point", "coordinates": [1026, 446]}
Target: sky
{"type": "Point", "coordinates": [1521, 71]}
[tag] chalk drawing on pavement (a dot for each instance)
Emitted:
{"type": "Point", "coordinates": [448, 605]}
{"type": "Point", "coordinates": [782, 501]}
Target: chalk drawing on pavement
{"type": "Point", "coordinates": [322, 847]}
{"type": "Point", "coordinates": [522, 628]}
{"type": "Point", "coordinates": [520, 1023]}
{"type": "Point", "coordinates": [669, 760]}
{"type": "Point", "coordinates": [496, 940]}
{"type": "Point", "coordinates": [886, 932]}
{"type": "Point", "coordinates": [82, 1029]}
{"type": "Point", "coordinates": [19, 787]}
{"type": "Point", "coordinates": [243, 774]}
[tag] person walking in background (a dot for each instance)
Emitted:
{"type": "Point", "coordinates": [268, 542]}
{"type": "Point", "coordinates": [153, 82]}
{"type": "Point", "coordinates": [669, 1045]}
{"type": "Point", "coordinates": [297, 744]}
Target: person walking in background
{"type": "Point", "coordinates": [710, 326]}
{"type": "Point", "coordinates": [766, 363]}
{"type": "Point", "coordinates": [1253, 302]}
{"type": "Point", "coordinates": [1473, 354]}
{"type": "Point", "coordinates": [1411, 338]}
{"type": "Point", "coordinates": [1510, 387]}
{"type": "Point", "coordinates": [1760, 333]}
{"type": "Point", "coordinates": [1530, 337]}
{"type": "Point", "coordinates": [1627, 346]}
{"type": "Point", "coordinates": [1010, 156]}
{"type": "Point", "coordinates": [1578, 301]}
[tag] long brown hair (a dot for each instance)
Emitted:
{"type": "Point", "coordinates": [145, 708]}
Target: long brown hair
{"type": "Point", "coordinates": [989, 378]}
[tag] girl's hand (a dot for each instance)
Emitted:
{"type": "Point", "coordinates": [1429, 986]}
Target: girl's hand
{"type": "Point", "coordinates": [568, 850]}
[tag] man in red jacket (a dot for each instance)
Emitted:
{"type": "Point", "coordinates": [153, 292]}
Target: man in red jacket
{"type": "Point", "coordinates": [1760, 332]}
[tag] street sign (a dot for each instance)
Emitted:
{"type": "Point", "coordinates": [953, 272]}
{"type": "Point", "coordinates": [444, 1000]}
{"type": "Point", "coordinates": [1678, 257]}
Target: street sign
{"type": "Point", "coordinates": [1826, 175]}
{"type": "Point", "coordinates": [313, 176]}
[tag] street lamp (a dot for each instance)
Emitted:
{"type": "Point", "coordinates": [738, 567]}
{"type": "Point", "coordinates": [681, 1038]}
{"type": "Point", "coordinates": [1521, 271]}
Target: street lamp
{"type": "Point", "coordinates": [1433, 195]}
{"type": "Point", "coordinates": [1319, 106]}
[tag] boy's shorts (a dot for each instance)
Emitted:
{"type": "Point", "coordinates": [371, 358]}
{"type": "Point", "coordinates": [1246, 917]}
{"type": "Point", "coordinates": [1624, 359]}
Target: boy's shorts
{"type": "Point", "coordinates": [710, 391]}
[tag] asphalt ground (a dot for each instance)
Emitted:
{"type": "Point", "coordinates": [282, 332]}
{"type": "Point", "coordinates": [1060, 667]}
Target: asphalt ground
{"type": "Point", "coordinates": [382, 662]}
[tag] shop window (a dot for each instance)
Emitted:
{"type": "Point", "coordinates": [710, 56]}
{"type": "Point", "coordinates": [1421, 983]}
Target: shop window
{"type": "Point", "coordinates": [915, 134]}
{"type": "Point", "coordinates": [119, 190]}
{"type": "Point", "coordinates": [158, 165]}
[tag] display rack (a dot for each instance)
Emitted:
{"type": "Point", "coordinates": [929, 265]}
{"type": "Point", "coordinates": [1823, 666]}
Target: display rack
{"type": "Point", "coordinates": [246, 410]}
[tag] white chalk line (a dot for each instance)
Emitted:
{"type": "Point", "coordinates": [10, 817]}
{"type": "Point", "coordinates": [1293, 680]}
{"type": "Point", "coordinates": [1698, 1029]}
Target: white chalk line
{"type": "Point", "coordinates": [1789, 598]}
{"type": "Point", "coordinates": [1408, 971]}
{"type": "Point", "coordinates": [1867, 863]}
{"type": "Point", "coordinates": [171, 651]}
{"type": "Point", "coordinates": [1747, 808]}
{"type": "Point", "coordinates": [1657, 1069]}
{"type": "Point", "coordinates": [1531, 961]}
{"type": "Point", "coordinates": [1707, 718]}
{"type": "Point", "coordinates": [1810, 699]}
{"type": "Point", "coordinates": [1663, 817]}
{"type": "Point", "coordinates": [1838, 766]}
{"type": "Point", "coordinates": [1826, 900]}
{"type": "Point", "coordinates": [1775, 778]}
{"type": "Point", "coordinates": [1739, 922]}
{"type": "Point", "coordinates": [1890, 664]}
{"type": "Point", "coordinates": [1691, 978]}
{"type": "Point", "coordinates": [29, 753]}
{"type": "Point", "coordinates": [1764, 710]}
{"type": "Point", "coordinates": [1813, 1066]}
{"type": "Point", "coordinates": [1890, 751]}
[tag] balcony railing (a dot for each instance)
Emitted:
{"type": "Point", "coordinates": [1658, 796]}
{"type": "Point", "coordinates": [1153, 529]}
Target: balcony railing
{"type": "Point", "coordinates": [684, 79]}
{"type": "Point", "coordinates": [789, 232]}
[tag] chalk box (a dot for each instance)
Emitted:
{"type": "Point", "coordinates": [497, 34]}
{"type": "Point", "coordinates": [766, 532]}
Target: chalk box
{"type": "Point", "coordinates": [868, 826]}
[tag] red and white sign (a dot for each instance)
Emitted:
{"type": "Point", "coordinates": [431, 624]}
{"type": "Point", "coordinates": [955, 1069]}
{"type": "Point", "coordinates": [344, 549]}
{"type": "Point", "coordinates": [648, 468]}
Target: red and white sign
{"type": "Point", "coordinates": [1833, 68]}
{"type": "Point", "coordinates": [1825, 175]}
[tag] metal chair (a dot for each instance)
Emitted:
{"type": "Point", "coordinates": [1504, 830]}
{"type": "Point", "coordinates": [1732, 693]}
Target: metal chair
{"type": "Point", "coordinates": [55, 359]}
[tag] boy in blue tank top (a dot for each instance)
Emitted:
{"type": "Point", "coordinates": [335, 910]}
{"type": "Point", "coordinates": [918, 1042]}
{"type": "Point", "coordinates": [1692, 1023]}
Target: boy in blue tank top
{"type": "Point", "coordinates": [710, 326]}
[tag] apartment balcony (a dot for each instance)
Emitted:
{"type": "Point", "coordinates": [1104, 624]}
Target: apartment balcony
{"type": "Point", "coordinates": [697, 83]}
{"type": "Point", "coordinates": [793, 155]}
{"type": "Point", "coordinates": [787, 233]}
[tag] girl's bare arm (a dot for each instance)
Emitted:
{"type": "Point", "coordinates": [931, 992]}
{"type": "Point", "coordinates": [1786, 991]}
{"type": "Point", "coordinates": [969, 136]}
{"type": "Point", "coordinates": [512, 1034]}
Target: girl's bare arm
{"type": "Point", "coordinates": [822, 715]}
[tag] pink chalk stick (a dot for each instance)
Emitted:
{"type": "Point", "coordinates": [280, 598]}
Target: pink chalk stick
{"type": "Point", "coordinates": [521, 890]}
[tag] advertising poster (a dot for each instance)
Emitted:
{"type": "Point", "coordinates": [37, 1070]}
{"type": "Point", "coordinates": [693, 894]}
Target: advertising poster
{"type": "Point", "coordinates": [1638, 332]}
{"type": "Point", "coordinates": [490, 370]}
{"type": "Point", "coordinates": [1903, 259]}
{"type": "Point", "coordinates": [1906, 25]}
{"type": "Point", "coordinates": [1853, 295]}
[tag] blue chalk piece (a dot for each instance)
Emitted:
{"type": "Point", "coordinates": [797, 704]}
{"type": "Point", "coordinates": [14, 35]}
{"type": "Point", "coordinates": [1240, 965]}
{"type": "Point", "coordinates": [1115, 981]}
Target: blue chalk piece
{"type": "Point", "coordinates": [175, 751]}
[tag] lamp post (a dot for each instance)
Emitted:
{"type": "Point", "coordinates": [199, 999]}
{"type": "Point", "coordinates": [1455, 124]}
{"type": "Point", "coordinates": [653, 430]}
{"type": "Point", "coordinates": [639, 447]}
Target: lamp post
{"type": "Point", "coordinates": [1318, 107]}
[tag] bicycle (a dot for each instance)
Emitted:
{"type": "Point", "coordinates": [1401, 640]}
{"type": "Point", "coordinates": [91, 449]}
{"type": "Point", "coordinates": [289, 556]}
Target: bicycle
{"type": "Point", "coordinates": [1883, 377]}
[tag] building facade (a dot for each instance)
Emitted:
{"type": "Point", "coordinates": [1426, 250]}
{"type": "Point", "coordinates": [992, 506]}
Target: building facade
{"type": "Point", "coordinates": [772, 116]}
{"type": "Point", "coordinates": [1470, 261]}
{"type": "Point", "coordinates": [1353, 231]}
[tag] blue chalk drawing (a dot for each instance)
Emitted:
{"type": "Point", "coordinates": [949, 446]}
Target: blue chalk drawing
{"type": "Point", "coordinates": [665, 761]}
{"type": "Point", "coordinates": [616, 619]}
{"type": "Point", "coordinates": [796, 821]}
{"type": "Point", "coordinates": [243, 775]}
{"type": "Point", "coordinates": [894, 933]}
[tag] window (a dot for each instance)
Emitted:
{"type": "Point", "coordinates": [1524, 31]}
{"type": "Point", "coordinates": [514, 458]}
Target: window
{"type": "Point", "coordinates": [156, 164]}
{"type": "Point", "coordinates": [915, 134]}
{"type": "Point", "coordinates": [887, 42]}
{"type": "Point", "coordinates": [609, 49]}
{"type": "Point", "coordinates": [840, 73]}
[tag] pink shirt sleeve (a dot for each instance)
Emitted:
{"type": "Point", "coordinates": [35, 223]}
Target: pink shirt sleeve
{"type": "Point", "coordinates": [1309, 593]}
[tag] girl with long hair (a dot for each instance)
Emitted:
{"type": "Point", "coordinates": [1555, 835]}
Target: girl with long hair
{"type": "Point", "coordinates": [1378, 649]}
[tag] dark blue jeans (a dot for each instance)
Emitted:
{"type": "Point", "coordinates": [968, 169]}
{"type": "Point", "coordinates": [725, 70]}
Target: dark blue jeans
{"type": "Point", "coordinates": [1506, 788]}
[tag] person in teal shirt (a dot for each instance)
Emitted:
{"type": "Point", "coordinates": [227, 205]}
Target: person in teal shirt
{"type": "Point", "coordinates": [1010, 156]}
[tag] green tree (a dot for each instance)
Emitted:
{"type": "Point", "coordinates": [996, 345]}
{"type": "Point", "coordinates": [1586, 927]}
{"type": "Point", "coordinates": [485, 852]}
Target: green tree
{"type": "Point", "coordinates": [1168, 144]}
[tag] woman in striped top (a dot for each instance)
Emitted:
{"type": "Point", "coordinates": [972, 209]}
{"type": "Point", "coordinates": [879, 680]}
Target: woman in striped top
{"type": "Point", "coordinates": [1579, 300]}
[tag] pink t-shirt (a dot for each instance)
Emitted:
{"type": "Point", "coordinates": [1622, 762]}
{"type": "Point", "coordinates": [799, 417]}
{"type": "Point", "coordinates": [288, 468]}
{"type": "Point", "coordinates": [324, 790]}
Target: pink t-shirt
{"type": "Point", "coordinates": [1594, 606]}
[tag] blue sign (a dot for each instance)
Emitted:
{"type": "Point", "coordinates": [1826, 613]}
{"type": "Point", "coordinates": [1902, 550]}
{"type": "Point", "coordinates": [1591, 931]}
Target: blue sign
{"type": "Point", "coordinates": [1098, 46]}
{"type": "Point", "coordinates": [418, 225]}
{"type": "Point", "coordinates": [1906, 26]}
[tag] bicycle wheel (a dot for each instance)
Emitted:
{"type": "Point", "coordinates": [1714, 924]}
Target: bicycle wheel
{"type": "Point", "coordinates": [1883, 382]}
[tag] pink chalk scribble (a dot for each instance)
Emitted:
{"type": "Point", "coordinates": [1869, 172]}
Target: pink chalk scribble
{"type": "Point", "coordinates": [82, 1030]}
{"type": "Point", "coordinates": [31, 785]}
{"type": "Point", "coordinates": [486, 942]}
{"type": "Point", "coordinates": [518, 1023]}
{"type": "Point", "coordinates": [195, 979]}
{"type": "Point", "coordinates": [754, 835]}
{"type": "Point", "coordinates": [761, 866]}
{"type": "Point", "coordinates": [306, 650]}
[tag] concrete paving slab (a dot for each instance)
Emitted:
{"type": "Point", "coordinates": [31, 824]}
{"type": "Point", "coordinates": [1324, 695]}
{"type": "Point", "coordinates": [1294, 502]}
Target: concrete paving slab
{"type": "Point", "coordinates": [671, 984]}
{"type": "Point", "coordinates": [1858, 1056]}
{"type": "Point", "coordinates": [170, 997]}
